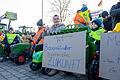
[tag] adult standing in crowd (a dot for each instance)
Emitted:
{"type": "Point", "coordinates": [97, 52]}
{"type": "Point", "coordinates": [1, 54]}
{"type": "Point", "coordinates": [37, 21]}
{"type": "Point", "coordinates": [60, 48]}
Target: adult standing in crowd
{"type": "Point", "coordinates": [10, 39]}
{"type": "Point", "coordinates": [117, 27]}
{"type": "Point", "coordinates": [38, 38]}
{"type": "Point", "coordinates": [57, 26]}
{"type": "Point", "coordinates": [107, 21]}
{"type": "Point", "coordinates": [115, 14]}
{"type": "Point", "coordinates": [78, 19]}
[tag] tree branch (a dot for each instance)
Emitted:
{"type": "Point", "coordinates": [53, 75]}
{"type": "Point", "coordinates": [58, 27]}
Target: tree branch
{"type": "Point", "coordinates": [60, 6]}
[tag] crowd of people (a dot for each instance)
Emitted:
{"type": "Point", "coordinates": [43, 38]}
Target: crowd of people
{"type": "Point", "coordinates": [105, 22]}
{"type": "Point", "coordinates": [110, 23]}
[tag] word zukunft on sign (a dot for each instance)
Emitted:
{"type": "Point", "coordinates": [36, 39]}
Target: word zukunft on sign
{"type": "Point", "coordinates": [65, 52]}
{"type": "Point", "coordinates": [110, 56]}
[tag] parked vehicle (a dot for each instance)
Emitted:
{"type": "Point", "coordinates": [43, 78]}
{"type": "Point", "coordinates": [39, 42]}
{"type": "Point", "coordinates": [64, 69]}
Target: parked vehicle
{"type": "Point", "coordinates": [20, 52]}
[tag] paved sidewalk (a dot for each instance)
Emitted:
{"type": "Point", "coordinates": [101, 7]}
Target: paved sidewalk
{"type": "Point", "coordinates": [11, 71]}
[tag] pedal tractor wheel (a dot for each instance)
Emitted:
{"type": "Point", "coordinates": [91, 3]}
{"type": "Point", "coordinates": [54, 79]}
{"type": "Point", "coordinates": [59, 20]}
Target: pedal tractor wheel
{"type": "Point", "coordinates": [68, 73]}
{"type": "Point", "coordinates": [20, 59]}
{"type": "Point", "coordinates": [94, 70]}
{"type": "Point", "coordinates": [35, 66]}
{"type": "Point", "coordinates": [45, 70]}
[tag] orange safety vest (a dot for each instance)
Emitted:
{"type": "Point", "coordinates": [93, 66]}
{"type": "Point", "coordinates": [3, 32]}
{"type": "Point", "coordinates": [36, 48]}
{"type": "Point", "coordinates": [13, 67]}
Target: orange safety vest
{"type": "Point", "coordinates": [37, 35]}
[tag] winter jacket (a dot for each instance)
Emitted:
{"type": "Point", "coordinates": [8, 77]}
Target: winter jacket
{"type": "Point", "coordinates": [38, 38]}
{"type": "Point", "coordinates": [117, 28]}
{"type": "Point", "coordinates": [107, 24]}
{"type": "Point", "coordinates": [57, 28]}
{"type": "Point", "coordinates": [79, 19]}
{"type": "Point", "coordinates": [86, 13]}
{"type": "Point", "coordinates": [115, 14]}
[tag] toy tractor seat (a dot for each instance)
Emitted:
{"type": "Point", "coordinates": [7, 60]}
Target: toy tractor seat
{"type": "Point", "coordinates": [19, 52]}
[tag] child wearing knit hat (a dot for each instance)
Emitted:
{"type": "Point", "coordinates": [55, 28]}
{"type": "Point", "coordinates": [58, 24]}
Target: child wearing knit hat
{"type": "Point", "coordinates": [96, 24]}
{"type": "Point", "coordinates": [96, 32]}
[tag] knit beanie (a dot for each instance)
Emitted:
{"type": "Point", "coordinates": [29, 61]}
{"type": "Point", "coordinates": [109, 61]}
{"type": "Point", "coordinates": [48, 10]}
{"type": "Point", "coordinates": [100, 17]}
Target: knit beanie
{"type": "Point", "coordinates": [40, 22]}
{"type": "Point", "coordinates": [104, 13]}
{"type": "Point", "coordinates": [84, 8]}
{"type": "Point", "coordinates": [97, 22]}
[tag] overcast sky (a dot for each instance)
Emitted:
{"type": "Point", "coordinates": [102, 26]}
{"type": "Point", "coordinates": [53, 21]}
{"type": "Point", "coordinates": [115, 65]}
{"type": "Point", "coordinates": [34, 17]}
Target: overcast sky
{"type": "Point", "coordinates": [29, 11]}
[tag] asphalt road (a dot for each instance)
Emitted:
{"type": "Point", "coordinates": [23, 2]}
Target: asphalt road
{"type": "Point", "coordinates": [11, 71]}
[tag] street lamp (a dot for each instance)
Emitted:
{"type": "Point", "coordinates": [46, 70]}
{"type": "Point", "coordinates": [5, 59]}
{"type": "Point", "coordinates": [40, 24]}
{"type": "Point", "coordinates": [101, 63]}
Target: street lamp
{"type": "Point", "coordinates": [42, 9]}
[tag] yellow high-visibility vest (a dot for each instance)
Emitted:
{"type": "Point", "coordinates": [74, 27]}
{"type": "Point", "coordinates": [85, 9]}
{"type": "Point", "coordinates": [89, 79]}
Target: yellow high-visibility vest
{"type": "Point", "coordinates": [10, 37]}
{"type": "Point", "coordinates": [97, 34]}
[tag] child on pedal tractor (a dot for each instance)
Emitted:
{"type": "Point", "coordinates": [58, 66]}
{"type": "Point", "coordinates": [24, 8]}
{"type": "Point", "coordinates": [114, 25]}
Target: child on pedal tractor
{"type": "Point", "coordinates": [96, 32]}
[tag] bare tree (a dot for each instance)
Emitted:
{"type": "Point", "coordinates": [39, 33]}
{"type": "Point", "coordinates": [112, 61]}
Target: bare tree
{"type": "Point", "coordinates": [61, 7]}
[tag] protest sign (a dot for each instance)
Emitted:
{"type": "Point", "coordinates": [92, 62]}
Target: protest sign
{"type": "Point", "coordinates": [65, 52]}
{"type": "Point", "coordinates": [110, 56]}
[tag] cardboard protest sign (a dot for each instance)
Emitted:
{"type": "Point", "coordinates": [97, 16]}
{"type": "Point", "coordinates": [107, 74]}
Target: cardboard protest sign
{"type": "Point", "coordinates": [110, 56]}
{"type": "Point", "coordinates": [11, 15]}
{"type": "Point", "coordinates": [65, 52]}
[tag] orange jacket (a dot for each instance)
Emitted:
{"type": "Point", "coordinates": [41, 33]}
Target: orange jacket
{"type": "Point", "coordinates": [78, 19]}
{"type": "Point", "coordinates": [37, 35]}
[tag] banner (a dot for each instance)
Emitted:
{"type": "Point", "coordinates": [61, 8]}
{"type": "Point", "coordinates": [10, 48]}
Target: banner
{"type": "Point", "coordinates": [65, 52]}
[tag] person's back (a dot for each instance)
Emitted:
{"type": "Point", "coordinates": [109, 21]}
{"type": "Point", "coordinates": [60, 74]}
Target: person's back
{"type": "Point", "coordinates": [78, 18]}
{"type": "Point", "coordinates": [85, 13]}
{"type": "Point", "coordinates": [117, 28]}
{"type": "Point", "coordinates": [115, 13]}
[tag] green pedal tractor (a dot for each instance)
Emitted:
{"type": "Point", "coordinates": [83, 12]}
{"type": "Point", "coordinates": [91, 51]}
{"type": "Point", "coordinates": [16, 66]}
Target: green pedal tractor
{"type": "Point", "coordinates": [90, 48]}
{"type": "Point", "coordinates": [36, 63]}
{"type": "Point", "coordinates": [37, 58]}
{"type": "Point", "coordinates": [20, 52]}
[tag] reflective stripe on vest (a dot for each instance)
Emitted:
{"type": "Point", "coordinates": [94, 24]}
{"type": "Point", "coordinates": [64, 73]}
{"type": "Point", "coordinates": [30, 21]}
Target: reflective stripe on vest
{"type": "Point", "coordinates": [85, 15]}
{"type": "Point", "coordinates": [10, 37]}
{"type": "Point", "coordinates": [37, 35]}
{"type": "Point", "coordinates": [97, 34]}
{"type": "Point", "coordinates": [41, 41]}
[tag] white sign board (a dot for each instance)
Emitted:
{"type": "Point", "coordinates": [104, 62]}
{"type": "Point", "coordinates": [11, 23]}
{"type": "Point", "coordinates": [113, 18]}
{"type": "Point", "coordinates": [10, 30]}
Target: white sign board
{"type": "Point", "coordinates": [65, 52]}
{"type": "Point", "coordinates": [11, 15]}
{"type": "Point", "coordinates": [110, 56]}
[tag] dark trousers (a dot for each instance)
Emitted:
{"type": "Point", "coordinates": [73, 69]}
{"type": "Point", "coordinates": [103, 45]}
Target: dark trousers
{"type": "Point", "coordinates": [7, 50]}
{"type": "Point", "coordinates": [97, 45]}
{"type": "Point", "coordinates": [39, 47]}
